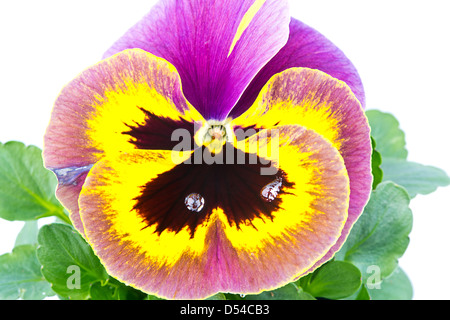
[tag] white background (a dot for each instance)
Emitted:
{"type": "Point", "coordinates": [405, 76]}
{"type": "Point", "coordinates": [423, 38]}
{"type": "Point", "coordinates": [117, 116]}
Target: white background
{"type": "Point", "coordinates": [401, 49]}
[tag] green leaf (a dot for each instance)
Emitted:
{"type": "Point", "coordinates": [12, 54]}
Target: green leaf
{"type": "Point", "coordinates": [388, 135]}
{"type": "Point", "coordinates": [151, 297]}
{"type": "Point", "coordinates": [390, 143]}
{"type": "Point", "coordinates": [304, 295]}
{"type": "Point", "coordinates": [414, 177]}
{"type": "Point", "coordinates": [114, 290]}
{"type": "Point", "coordinates": [291, 291]}
{"type": "Point", "coordinates": [128, 293]}
{"type": "Point", "coordinates": [396, 287]}
{"type": "Point", "coordinates": [27, 189]}
{"type": "Point", "coordinates": [20, 275]}
{"type": "Point", "coordinates": [218, 296]}
{"type": "Point", "coordinates": [361, 294]}
{"type": "Point", "coordinates": [381, 234]}
{"type": "Point", "coordinates": [28, 234]}
{"type": "Point", "coordinates": [377, 172]}
{"type": "Point", "coordinates": [68, 262]}
{"type": "Point", "coordinates": [333, 280]}
{"type": "Point", "coordinates": [98, 291]}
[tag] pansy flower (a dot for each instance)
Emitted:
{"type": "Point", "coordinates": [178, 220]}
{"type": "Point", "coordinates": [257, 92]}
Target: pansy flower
{"type": "Point", "coordinates": [220, 146]}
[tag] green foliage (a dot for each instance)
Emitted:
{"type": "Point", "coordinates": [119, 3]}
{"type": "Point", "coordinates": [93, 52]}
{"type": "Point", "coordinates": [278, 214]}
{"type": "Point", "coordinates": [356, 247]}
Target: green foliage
{"type": "Point", "coordinates": [68, 261]}
{"type": "Point", "coordinates": [28, 234]}
{"type": "Point", "coordinates": [390, 143]}
{"type": "Point", "coordinates": [20, 275]}
{"type": "Point", "coordinates": [385, 130]}
{"type": "Point", "coordinates": [27, 189]}
{"type": "Point", "coordinates": [334, 280]}
{"type": "Point", "coordinates": [414, 177]}
{"type": "Point", "coordinates": [219, 296]}
{"type": "Point", "coordinates": [377, 172]}
{"type": "Point", "coordinates": [57, 260]}
{"type": "Point", "coordinates": [114, 290]}
{"type": "Point", "coordinates": [381, 234]}
{"type": "Point", "coordinates": [291, 291]}
{"type": "Point", "coordinates": [396, 287]}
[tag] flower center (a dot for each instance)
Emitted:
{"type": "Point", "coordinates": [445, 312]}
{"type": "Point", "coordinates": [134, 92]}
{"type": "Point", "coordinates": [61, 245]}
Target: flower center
{"type": "Point", "coordinates": [189, 193]}
{"type": "Point", "coordinates": [214, 134]}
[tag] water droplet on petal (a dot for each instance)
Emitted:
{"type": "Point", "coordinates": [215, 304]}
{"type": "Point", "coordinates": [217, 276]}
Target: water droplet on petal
{"type": "Point", "coordinates": [194, 202]}
{"type": "Point", "coordinates": [271, 190]}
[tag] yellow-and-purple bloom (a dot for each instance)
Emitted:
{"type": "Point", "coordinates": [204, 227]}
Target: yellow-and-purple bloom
{"type": "Point", "coordinates": [273, 173]}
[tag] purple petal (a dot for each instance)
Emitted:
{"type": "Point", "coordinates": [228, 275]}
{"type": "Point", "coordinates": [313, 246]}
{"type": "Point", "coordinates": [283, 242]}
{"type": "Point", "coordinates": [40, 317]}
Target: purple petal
{"type": "Point", "coordinates": [305, 48]}
{"type": "Point", "coordinates": [199, 39]}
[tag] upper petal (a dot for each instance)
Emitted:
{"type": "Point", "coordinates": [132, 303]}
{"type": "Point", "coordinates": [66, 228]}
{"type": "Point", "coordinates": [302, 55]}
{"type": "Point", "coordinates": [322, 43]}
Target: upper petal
{"type": "Point", "coordinates": [306, 48]}
{"type": "Point", "coordinates": [216, 46]}
{"type": "Point", "coordinates": [317, 101]}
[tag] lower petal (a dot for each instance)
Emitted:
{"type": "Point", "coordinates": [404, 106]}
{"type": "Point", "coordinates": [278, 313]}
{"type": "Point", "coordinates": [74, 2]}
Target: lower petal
{"type": "Point", "coordinates": [134, 212]}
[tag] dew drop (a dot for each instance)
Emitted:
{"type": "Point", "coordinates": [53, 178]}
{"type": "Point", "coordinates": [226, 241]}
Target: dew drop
{"type": "Point", "coordinates": [242, 295]}
{"type": "Point", "coordinates": [194, 202]}
{"type": "Point", "coordinates": [271, 190]}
